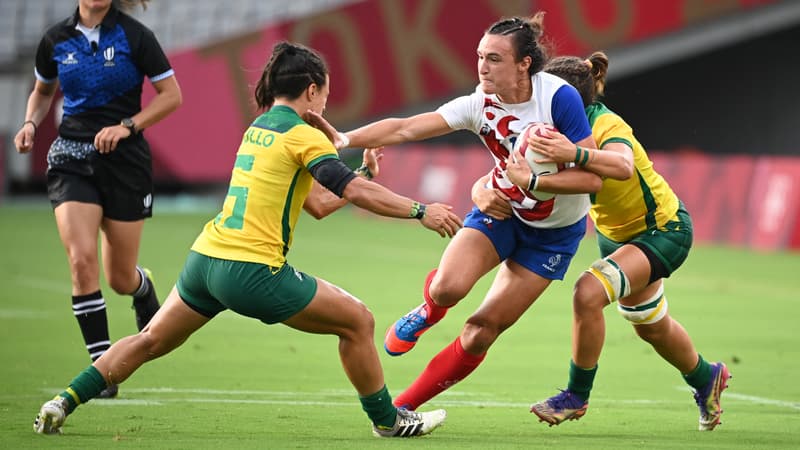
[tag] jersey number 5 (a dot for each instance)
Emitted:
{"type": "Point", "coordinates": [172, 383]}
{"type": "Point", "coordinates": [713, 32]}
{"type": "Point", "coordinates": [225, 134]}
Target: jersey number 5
{"type": "Point", "coordinates": [239, 193]}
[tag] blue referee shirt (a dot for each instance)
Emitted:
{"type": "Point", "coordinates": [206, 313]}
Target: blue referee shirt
{"type": "Point", "coordinates": [101, 81]}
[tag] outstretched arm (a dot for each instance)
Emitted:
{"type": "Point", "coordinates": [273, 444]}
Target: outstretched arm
{"type": "Point", "coordinates": [321, 202]}
{"type": "Point", "coordinates": [383, 132]}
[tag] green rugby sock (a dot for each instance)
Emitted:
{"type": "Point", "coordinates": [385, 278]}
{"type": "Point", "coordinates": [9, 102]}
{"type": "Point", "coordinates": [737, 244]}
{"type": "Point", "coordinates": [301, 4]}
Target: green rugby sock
{"type": "Point", "coordinates": [581, 380]}
{"type": "Point", "coordinates": [699, 377]}
{"type": "Point", "coordinates": [379, 408]}
{"type": "Point", "coordinates": [86, 386]}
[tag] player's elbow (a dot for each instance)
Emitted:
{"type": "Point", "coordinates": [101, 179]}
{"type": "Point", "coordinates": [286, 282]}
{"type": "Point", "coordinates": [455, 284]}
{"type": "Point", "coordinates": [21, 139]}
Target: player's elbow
{"type": "Point", "coordinates": [317, 213]}
{"type": "Point", "coordinates": [317, 209]}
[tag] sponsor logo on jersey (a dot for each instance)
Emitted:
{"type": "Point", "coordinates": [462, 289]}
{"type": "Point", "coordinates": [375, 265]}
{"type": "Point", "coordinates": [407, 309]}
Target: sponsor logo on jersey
{"type": "Point", "coordinates": [70, 59]}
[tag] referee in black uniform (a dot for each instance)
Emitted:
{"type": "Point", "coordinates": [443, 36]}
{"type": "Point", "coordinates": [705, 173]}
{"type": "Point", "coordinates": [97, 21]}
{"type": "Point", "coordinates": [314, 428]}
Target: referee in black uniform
{"type": "Point", "coordinates": [99, 174]}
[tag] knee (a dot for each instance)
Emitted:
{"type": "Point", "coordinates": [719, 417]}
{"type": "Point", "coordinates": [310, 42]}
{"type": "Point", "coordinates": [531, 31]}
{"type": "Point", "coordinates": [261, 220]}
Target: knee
{"type": "Point", "coordinates": [123, 282]}
{"type": "Point", "coordinates": [149, 344]}
{"type": "Point", "coordinates": [118, 285]}
{"type": "Point", "coordinates": [446, 291]}
{"type": "Point", "coordinates": [361, 324]}
{"type": "Point", "coordinates": [588, 297]}
{"type": "Point", "coordinates": [654, 332]}
{"type": "Point", "coordinates": [478, 335]}
{"type": "Point", "coordinates": [83, 266]}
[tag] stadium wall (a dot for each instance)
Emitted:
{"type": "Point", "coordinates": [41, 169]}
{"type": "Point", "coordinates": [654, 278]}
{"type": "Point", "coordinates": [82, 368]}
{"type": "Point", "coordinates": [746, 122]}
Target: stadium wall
{"type": "Point", "coordinates": [743, 200]}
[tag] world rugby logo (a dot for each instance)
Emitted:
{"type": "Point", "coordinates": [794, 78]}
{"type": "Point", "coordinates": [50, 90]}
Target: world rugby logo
{"type": "Point", "coordinates": [108, 55]}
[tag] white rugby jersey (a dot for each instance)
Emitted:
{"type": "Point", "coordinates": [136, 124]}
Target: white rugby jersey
{"type": "Point", "coordinates": [498, 124]}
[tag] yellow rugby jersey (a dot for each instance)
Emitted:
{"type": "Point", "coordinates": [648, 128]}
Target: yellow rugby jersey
{"type": "Point", "coordinates": [622, 210]}
{"type": "Point", "coordinates": [269, 184]}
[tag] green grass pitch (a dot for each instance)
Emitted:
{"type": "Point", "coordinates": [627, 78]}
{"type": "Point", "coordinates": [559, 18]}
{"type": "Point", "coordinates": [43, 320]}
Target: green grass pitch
{"type": "Point", "coordinates": [240, 384]}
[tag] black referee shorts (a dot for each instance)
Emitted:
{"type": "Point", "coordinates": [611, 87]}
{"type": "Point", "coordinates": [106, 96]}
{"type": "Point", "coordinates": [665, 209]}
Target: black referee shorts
{"type": "Point", "coordinates": [121, 182]}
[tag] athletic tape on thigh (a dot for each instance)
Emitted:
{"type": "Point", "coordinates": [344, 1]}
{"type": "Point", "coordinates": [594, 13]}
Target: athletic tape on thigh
{"type": "Point", "coordinates": [612, 277]}
{"type": "Point", "coordinates": [649, 311]}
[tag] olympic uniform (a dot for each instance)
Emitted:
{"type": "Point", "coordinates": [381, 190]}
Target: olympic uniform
{"type": "Point", "coordinates": [643, 209]}
{"type": "Point", "coordinates": [101, 72]}
{"type": "Point", "coordinates": [239, 259]}
{"type": "Point", "coordinates": [543, 236]}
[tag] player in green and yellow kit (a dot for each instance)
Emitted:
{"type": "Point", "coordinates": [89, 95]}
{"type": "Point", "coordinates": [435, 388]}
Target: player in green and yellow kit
{"type": "Point", "coordinates": [239, 260]}
{"type": "Point", "coordinates": [644, 234]}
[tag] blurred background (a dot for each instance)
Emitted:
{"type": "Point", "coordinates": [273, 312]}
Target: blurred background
{"type": "Point", "coordinates": [709, 86]}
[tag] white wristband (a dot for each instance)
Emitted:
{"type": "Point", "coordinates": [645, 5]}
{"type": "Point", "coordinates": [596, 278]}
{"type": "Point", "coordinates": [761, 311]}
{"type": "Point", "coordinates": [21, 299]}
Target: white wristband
{"type": "Point", "coordinates": [345, 140]}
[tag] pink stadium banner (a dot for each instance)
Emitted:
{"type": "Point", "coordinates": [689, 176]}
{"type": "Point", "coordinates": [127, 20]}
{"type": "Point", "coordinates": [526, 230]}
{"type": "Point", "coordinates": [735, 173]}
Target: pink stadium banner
{"type": "Point", "coordinates": [384, 56]}
{"type": "Point", "coordinates": [739, 200]}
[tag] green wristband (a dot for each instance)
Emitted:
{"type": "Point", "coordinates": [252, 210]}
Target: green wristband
{"type": "Point", "coordinates": [417, 210]}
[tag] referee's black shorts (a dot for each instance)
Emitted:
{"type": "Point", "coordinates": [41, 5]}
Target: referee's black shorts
{"type": "Point", "coordinates": [121, 182]}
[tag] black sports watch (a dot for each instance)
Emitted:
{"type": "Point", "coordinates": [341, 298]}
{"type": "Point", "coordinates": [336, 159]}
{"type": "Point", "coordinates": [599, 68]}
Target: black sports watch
{"type": "Point", "coordinates": [130, 125]}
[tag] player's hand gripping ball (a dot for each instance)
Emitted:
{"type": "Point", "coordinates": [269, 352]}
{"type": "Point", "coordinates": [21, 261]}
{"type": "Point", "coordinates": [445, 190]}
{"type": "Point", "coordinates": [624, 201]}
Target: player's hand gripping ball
{"type": "Point", "coordinates": [539, 169]}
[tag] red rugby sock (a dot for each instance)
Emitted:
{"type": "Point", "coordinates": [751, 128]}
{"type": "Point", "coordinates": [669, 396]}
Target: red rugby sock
{"type": "Point", "coordinates": [435, 312]}
{"type": "Point", "coordinates": [450, 366]}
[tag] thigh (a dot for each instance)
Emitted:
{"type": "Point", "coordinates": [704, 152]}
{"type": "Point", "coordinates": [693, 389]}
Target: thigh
{"type": "Point", "coordinates": [331, 311]}
{"type": "Point", "coordinates": [78, 225]}
{"type": "Point", "coordinates": [120, 245]}
{"type": "Point", "coordinates": [475, 250]}
{"type": "Point", "coordinates": [513, 291]}
{"type": "Point", "coordinates": [174, 322]}
{"type": "Point", "coordinates": [635, 265]}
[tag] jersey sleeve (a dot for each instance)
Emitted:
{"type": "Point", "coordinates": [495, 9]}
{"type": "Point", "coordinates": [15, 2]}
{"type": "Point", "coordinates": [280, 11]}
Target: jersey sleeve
{"type": "Point", "coordinates": [310, 146]}
{"type": "Point", "coordinates": [150, 57]}
{"type": "Point", "coordinates": [568, 113]}
{"type": "Point", "coordinates": [612, 128]}
{"type": "Point", "coordinates": [462, 113]}
{"type": "Point", "coordinates": [46, 69]}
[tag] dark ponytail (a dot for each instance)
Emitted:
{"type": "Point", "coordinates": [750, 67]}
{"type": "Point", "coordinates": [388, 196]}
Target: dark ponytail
{"type": "Point", "coordinates": [289, 71]}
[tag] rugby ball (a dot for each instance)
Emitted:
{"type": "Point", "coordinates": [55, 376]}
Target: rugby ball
{"type": "Point", "coordinates": [539, 169]}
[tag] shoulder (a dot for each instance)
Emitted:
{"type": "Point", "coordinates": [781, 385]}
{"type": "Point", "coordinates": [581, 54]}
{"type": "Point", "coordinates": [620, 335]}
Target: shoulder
{"type": "Point", "coordinates": [129, 22]}
{"type": "Point", "coordinates": [600, 113]}
{"type": "Point", "coordinates": [137, 33]}
{"type": "Point", "coordinates": [547, 80]}
{"type": "Point", "coordinates": [60, 30]}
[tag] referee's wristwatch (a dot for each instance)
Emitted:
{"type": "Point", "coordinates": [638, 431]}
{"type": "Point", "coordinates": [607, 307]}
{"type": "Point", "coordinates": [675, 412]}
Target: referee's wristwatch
{"type": "Point", "coordinates": [130, 125]}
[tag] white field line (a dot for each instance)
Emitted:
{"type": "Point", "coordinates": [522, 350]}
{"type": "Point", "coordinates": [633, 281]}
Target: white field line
{"type": "Point", "coordinates": [23, 314]}
{"type": "Point", "coordinates": [329, 398]}
{"type": "Point", "coordinates": [43, 284]}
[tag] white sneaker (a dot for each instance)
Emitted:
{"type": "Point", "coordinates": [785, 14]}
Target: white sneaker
{"type": "Point", "coordinates": [412, 423]}
{"type": "Point", "coordinates": [51, 417]}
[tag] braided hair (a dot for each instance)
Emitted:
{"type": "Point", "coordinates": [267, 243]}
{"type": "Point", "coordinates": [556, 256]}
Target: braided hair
{"type": "Point", "coordinates": [526, 37]}
{"type": "Point", "coordinates": [588, 75]}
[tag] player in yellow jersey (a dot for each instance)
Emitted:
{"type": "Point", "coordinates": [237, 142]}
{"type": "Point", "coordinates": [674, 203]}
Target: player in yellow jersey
{"type": "Point", "coordinates": [644, 234]}
{"type": "Point", "coordinates": [239, 260]}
